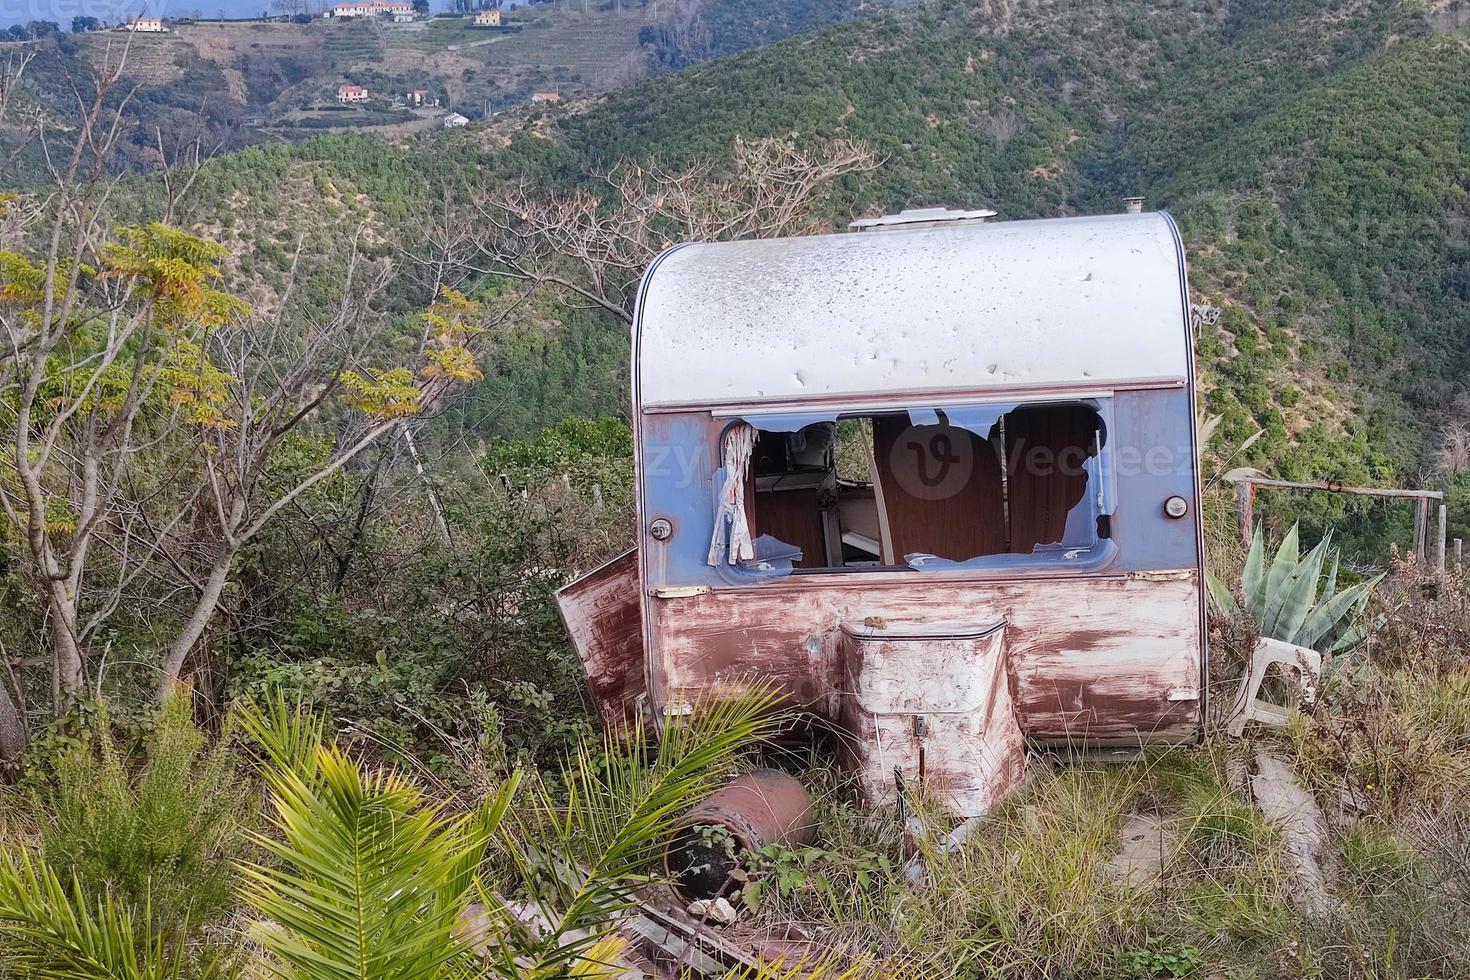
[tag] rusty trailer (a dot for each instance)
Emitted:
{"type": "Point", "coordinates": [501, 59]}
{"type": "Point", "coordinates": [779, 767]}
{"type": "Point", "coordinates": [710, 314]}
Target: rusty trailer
{"type": "Point", "coordinates": [937, 483]}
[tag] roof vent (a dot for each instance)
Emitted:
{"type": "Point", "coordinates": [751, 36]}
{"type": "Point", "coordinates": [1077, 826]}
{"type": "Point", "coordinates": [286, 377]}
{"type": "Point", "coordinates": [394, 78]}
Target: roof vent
{"type": "Point", "coordinates": [921, 218]}
{"type": "Point", "coordinates": [1133, 205]}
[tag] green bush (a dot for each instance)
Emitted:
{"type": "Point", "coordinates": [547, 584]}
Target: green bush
{"type": "Point", "coordinates": [161, 840]}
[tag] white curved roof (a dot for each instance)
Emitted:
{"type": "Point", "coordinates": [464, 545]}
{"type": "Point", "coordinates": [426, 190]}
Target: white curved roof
{"type": "Point", "coordinates": [1055, 302]}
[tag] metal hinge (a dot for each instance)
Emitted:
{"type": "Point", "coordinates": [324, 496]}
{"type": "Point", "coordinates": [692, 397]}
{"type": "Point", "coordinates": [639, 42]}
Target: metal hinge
{"type": "Point", "coordinates": [679, 591]}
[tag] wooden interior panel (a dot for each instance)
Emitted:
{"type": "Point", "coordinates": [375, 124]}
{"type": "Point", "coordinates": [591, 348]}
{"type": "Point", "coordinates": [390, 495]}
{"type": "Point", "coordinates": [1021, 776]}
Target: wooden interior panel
{"type": "Point", "coordinates": [941, 487]}
{"type": "Point", "coordinates": [1045, 449]}
{"type": "Point", "coordinates": [792, 516]}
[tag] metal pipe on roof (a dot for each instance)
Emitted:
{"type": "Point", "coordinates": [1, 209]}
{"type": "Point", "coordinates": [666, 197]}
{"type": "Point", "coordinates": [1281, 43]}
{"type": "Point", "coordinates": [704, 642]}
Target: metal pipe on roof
{"type": "Point", "coordinates": [922, 218]}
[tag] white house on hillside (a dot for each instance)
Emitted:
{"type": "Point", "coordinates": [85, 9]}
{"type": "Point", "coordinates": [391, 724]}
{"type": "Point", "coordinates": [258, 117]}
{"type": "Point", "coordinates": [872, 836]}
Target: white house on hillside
{"type": "Point", "coordinates": [487, 18]}
{"type": "Point", "coordinates": [399, 10]}
{"type": "Point", "coordinates": [146, 25]}
{"type": "Point", "coordinates": [454, 121]}
{"type": "Point", "coordinates": [348, 94]}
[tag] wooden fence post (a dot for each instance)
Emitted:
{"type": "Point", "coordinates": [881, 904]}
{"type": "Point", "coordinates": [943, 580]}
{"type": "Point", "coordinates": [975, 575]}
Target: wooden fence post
{"type": "Point", "coordinates": [1245, 498]}
{"type": "Point", "coordinates": [1421, 530]}
{"type": "Point", "coordinates": [1440, 537]}
{"type": "Point", "coordinates": [1459, 552]}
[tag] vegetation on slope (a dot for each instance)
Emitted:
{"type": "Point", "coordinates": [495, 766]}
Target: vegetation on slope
{"type": "Point", "coordinates": [1311, 153]}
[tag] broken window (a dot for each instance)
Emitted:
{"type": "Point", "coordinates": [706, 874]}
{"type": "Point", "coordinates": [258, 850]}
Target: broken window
{"type": "Point", "coordinates": [973, 486]}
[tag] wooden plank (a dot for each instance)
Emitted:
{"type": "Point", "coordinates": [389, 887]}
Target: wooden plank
{"type": "Point", "coordinates": [885, 531]}
{"type": "Point", "coordinates": [1421, 531]}
{"type": "Point", "coordinates": [1245, 498]}
{"type": "Point", "coordinates": [1459, 551]}
{"type": "Point", "coordinates": [1341, 488]}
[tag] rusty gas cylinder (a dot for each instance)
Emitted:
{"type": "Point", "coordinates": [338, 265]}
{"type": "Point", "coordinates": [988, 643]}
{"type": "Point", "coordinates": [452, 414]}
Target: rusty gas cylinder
{"type": "Point", "coordinates": [716, 838]}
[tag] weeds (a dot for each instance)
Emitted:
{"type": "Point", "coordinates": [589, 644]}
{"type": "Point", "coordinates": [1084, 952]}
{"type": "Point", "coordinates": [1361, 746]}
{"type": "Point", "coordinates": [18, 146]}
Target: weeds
{"type": "Point", "coordinates": [125, 867]}
{"type": "Point", "coordinates": [163, 838]}
{"type": "Point", "coordinates": [1030, 892]}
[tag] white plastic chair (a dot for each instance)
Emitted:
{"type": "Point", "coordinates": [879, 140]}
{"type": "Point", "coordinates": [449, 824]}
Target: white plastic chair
{"type": "Point", "coordinates": [1248, 705]}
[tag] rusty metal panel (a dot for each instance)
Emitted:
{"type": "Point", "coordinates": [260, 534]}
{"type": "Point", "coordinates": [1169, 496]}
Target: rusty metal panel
{"type": "Point", "coordinates": [1114, 658]}
{"type": "Point", "coordinates": [603, 616]}
{"type": "Point", "coordinates": [931, 702]}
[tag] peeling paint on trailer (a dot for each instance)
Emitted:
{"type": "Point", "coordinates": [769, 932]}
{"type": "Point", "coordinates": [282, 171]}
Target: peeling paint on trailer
{"type": "Point", "coordinates": [604, 618]}
{"type": "Point", "coordinates": [1087, 657]}
{"type": "Point", "coordinates": [931, 704]}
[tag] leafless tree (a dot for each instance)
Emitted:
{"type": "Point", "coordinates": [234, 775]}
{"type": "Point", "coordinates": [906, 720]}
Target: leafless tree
{"type": "Point", "coordinates": [1452, 454]}
{"type": "Point", "coordinates": [75, 376]}
{"type": "Point", "coordinates": [594, 243]}
{"type": "Point", "coordinates": [441, 248]}
{"type": "Point", "coordinates": [1002, 125]}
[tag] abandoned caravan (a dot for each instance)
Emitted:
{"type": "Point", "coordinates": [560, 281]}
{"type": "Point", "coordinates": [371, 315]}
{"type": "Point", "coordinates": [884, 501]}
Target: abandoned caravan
{"type": "Point", "coordinates": [936, 482]}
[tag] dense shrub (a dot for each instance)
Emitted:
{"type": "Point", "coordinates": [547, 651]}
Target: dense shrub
{"type": "Point", "coordinates": [159, 836]}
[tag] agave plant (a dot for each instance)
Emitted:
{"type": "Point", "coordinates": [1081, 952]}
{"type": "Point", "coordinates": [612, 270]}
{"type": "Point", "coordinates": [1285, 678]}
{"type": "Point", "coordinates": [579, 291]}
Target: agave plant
{"type": "Point", "coordinates": [1290, 600]}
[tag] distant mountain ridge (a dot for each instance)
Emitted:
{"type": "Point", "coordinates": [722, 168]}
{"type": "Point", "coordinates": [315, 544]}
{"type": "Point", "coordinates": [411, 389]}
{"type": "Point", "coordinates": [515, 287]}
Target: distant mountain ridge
{"type": "Point", "coordinates": [241, 82]}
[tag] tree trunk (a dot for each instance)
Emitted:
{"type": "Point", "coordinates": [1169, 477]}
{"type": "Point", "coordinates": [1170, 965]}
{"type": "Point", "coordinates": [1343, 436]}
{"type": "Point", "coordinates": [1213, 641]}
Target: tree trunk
{"type": "Point", "coordinates": [196, 624]}
{"type": "Point", "coordinates": [66, 648]}
{"type": "Point", "coordinates": [15, 737]}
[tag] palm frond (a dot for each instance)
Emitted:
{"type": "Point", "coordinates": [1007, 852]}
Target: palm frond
{"type": "Point", "coordinates": [369, 877]}
{"type": "Point", "coordinates": [288, 733]}
{"type": "Point", "coordinates": [621, 803]}
{"type": "Point", "coordinates": [52, 932]}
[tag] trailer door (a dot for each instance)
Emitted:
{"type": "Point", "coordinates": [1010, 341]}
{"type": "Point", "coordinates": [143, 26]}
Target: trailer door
{"type": "Point", "coordinates": [604, 619]}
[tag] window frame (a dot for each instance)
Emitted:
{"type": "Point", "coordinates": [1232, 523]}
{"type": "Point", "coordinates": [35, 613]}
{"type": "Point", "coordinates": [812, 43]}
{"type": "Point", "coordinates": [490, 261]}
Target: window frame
{"type": "Point", "coordinates": [1100, 550]}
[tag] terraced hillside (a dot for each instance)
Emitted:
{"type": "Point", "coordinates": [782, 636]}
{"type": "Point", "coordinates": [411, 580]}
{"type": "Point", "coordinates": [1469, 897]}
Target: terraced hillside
{"type": "Point", "coordinates": [233, 83]}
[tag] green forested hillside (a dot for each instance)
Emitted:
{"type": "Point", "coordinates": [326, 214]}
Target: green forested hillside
{"type": "Point", "coordinates": [1311, 152]}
